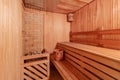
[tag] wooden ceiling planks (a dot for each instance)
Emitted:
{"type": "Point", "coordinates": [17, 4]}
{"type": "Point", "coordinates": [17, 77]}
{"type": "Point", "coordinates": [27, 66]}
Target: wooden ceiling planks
{"type": "Point", "coordinates": [63, 11]}
{"type": "Point", "coordinates": [74, 2]}
{"type": "Point", "coordinates": [72, 5]}
{"type": "Point", "coordinates": [67, 7]}
{"type": "Point", "coordinates": [87, 1]}
{"type": "Point", "coordinates": [60, 6]}
{"type": "Point", "coordinates": [38, 3]}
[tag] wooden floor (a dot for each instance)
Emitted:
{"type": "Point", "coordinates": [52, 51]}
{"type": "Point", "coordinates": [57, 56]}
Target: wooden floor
{"type": "Point", "coordinates": [54, 74]}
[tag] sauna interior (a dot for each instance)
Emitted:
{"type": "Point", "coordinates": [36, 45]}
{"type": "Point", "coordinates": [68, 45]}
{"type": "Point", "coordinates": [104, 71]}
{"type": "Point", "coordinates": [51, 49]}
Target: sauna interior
{"type": "Point", "coordinates": [59, 39]}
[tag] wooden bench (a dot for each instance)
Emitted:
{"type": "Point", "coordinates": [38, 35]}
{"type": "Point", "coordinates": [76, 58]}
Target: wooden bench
{"type": "Point", "coordinates": [84, 62]}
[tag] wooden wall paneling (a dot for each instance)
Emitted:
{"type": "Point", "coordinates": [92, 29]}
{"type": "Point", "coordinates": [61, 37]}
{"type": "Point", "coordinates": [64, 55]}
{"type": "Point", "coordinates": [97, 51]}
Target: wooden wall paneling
{"type": "Point", "coordinates": [82, 17]}
{"type": "Point", "coordinates": [82, 21]}
{"type": "Point", "coordinates": [76, 21]}
{"type": "Point", "coordinates": [111, 19]}
{"type": "Point", "coordinates": [71, 28]}
{"type": "Point", "coordinates": [79, 21]}
{"type": "Point", "coordinates": [101, 15]}
{"type": "Point", "coordinates": [118, 14]}
{"type": "Point", "coordinates": [107, 14]}
{"type": "Point", "coordinates": [90, 22]}
{"type": "Point", "coordinates": [85, 17]}
{"type": "Point", "coordinates": [94, 14]}
{"type": "Point", "coordinates": [115, 14]}
{"type": "Point", "coordinates": [104, 8]}
{"type": "Point", "coordinates": [10, 39]}
{"type": "Point", "coordinates": [48, 31]}
{"type": "Point", "coordinates": [101, 12]}
{"type": "Point", "coordinates": [56, 30]}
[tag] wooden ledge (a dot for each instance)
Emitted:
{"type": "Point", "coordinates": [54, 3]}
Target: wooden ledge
{"type": "Point", "coordinates": [104, 52]}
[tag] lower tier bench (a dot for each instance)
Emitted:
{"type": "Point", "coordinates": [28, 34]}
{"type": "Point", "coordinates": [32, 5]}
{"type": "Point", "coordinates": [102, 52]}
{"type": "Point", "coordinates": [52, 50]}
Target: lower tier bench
{"type": "Point", "coordinates": [67, 71]}
{"type": "Point", "coordinates": [85, 62]}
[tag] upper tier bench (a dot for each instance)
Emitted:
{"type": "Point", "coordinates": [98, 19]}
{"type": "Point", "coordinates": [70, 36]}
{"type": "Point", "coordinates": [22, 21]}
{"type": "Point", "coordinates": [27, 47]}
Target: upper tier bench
{"type": "Point", "coordinates": [85, 62]}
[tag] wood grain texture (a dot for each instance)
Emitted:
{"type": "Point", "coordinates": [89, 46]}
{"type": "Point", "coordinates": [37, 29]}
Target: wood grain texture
{"type": "Point", "coordinates": [101, 14]}
{"type": "Point", "coordinates": [10, 39]}
{"type": "Point", "coordinates": [70, 5]}
{"type": "Point", "coordinates": [55, 26]}
{"type": "Point", "coordinates": [32, 67]}
{"type": "Point", "coordinates": [56, 29]}
{"type": "Point", "coordinates": [59, 6]}
{"type": "Point", "coordinates": [98, 15]}
{"type": "Point", "coordinates": [94, 62]}
{"type": "Point", "coordinates": [101, 38]}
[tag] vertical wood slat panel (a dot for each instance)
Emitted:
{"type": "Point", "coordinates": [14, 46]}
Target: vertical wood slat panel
{"type": "Point", "coordinates": [56, 29]}
{"type": "Point", "coordinates": [10, 39]}
{"type": "Point", "coordinates": [101, 15]}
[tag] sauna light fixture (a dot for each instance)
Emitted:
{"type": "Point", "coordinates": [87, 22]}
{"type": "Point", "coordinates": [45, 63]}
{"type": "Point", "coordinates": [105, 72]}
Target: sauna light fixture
{"type": "Point", "coordinates": [70, 17]}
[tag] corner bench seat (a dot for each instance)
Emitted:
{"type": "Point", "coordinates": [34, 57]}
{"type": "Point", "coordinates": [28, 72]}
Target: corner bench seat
{"type": "Point", "coordinates": [85, 62]}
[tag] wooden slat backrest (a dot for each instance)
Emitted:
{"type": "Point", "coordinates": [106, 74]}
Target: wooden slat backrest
{"type": "Point", "coordinates": [93, 66]}
{"type": "Point", "coordinates": [102, 38]}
